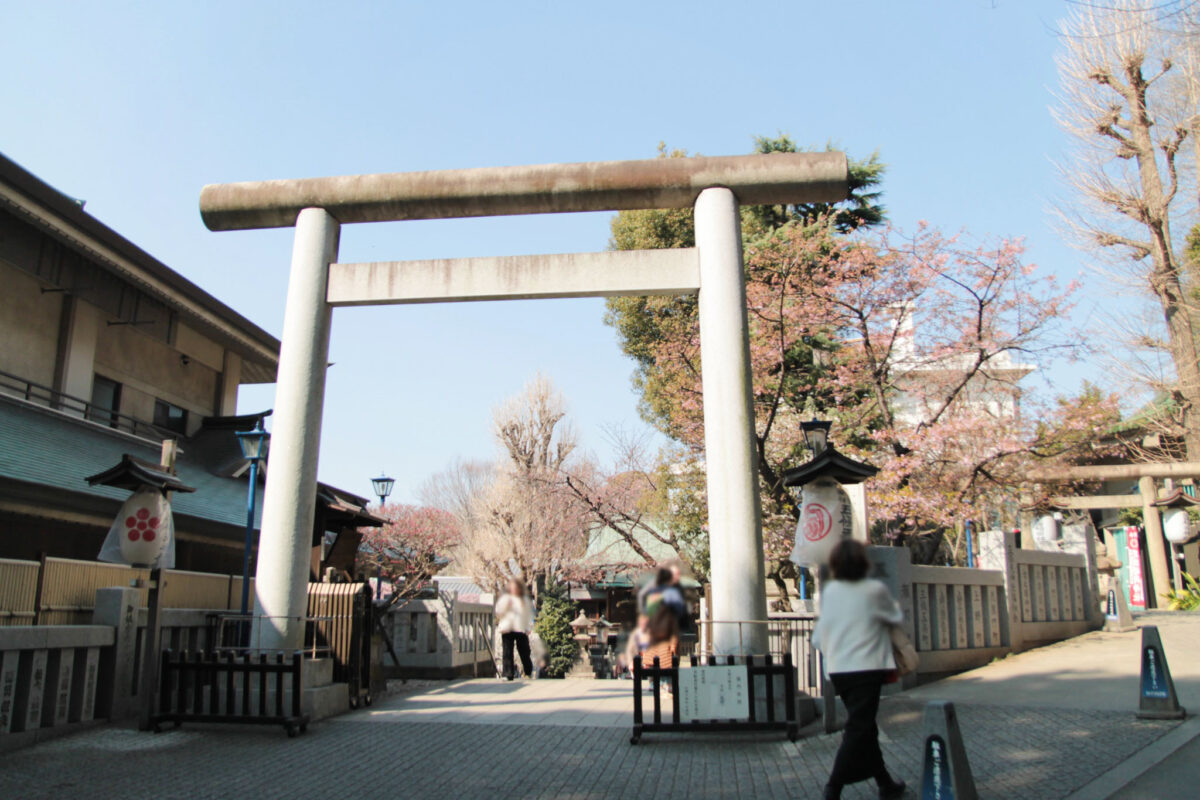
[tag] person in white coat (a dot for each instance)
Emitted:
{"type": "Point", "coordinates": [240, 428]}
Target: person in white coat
{"type": "Point", "coordinates": [514, 620]}
{"type": "Point", "coordinates": [856, 645]}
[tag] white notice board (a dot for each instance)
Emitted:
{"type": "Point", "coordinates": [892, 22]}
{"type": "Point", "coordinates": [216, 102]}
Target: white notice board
{"type": "Point", "coordinates": [713, 693]}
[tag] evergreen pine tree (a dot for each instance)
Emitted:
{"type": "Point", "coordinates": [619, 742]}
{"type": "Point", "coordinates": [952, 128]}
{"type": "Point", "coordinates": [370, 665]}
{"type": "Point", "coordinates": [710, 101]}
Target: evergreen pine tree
{"type": "Point", "coordinates": [553, 626]}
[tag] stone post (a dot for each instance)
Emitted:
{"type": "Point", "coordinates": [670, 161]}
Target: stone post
{"type": "Point", "coordinates": [734, 514]}
{"type": "Point", "coordinates": [997, 550]}
{"type": "Point", "coordinates": [284, 548]}
{"type": "Point", "coordinates": [1081, 539]}
{"type": "Point", "coordinates": [857, 494]}
{"type": "Point", "coordinates": [1160, 576]}
{"type": "Point", "coordinates": [118, 607]}
{"type": "Point", "coordinates": [893, 566]}
{"type": "Point", "coordinates": [1027, 519]}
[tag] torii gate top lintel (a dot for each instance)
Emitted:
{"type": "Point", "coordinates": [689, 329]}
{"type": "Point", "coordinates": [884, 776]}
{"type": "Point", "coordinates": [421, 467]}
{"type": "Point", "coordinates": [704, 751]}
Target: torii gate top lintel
{"type": "Point", "coordinates": [713, 269]}
{"type": "Point", "coordinates": [764, 179]}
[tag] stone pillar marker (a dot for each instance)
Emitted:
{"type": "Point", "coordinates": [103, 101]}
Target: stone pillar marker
{"type": "Point", "coordinates": [893, 566]}
{"type": "Point", "coordinates": [734, 512]}
{"type": "Point", "coordinates": [997, 550]}
{"type": "Point", "coordinates": [289, 502]}
{"type": "Point", "coordinates": [119, 607]}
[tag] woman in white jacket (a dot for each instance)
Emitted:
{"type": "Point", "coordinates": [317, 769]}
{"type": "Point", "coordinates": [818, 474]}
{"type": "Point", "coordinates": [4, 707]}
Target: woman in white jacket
{"type": "Point", "coordinates": [513, 620]}
{"type": "Point", "coordinates": [852, 635]}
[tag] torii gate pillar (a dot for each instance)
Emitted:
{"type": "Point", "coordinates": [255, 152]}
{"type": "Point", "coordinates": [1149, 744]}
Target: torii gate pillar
{"type": "Point", "coordinates": [715, 186]}
{"type": "Point", "coordinates": [290, 498]}
{"type": "Point", "coordinates": [734, 514]}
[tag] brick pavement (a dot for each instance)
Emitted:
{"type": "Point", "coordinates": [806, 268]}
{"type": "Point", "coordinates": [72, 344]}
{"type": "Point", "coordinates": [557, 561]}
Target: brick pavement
{"type": "Point", "coordinates": [398, 749]}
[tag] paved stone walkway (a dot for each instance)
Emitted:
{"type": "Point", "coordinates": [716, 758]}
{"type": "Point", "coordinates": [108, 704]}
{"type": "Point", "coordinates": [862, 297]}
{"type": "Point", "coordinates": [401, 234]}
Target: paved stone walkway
{"type": "Point", "coordinates": [1039, 725]}
{"type": "Point", "coordinates": [407, 748]}
{"type": "Point", "coordinates": [1095, 671]}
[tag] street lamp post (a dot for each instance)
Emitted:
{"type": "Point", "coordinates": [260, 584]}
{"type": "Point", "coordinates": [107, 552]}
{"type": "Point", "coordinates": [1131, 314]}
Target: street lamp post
{"type": "Point", "coordinates": [254, 449]}
{"type": "Point", "coordinates": [816, 434]}
{"type": "Point", "coordinates": [383, 487]}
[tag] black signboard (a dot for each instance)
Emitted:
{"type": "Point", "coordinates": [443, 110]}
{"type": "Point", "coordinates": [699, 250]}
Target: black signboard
{"type": "Point", "coordinates": [937, 784]}
{"type": "Point", "coordinates": [1154, 682]}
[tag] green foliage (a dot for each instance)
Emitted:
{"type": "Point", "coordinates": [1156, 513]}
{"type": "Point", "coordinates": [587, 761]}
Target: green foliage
{"type": "Point", "coordinates": [863, 209]}
{"type": "Point", "coordinates": [653, 328]}
{"type": "Point", "coordinates": [1129, 516]}
{"type": "Point", "coordinates": [1186, 600]}
{"type": "Point", "coordinates": [642, 323]}
{"type": "Point", "coordinates": [553, 627]}
{"type": "Point", "coordinates": [680, 500]}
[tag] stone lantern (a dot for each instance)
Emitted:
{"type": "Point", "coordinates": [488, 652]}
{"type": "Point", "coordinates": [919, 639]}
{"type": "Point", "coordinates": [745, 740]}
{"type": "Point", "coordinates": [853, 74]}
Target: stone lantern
{"type": "Point", "coordinates": [582, 668]}
{"type": "Point", "coordinates": [1177, 527]}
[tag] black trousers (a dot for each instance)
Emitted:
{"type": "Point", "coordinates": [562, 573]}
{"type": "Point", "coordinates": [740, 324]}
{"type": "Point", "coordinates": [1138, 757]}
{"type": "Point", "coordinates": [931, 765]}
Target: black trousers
{"type": "Point", "coordinates": [859, 757]}
{"type": "Point", "coordinates": [521, 640]}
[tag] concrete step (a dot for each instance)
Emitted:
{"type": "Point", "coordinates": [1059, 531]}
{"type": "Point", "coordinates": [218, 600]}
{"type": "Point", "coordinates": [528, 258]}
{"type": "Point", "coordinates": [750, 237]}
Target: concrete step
{"type": "Point", "coordinates": [317, 672]}
{"type": "Point", "coordinates": [326, 701]}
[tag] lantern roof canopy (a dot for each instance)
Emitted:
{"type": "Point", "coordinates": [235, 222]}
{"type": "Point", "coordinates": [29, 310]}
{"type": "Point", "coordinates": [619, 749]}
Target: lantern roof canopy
{"type": "Point", "coordinates": [133, 473]}
{"type": "Point", "coordinates": [829, 463]}
{"type": "Point", "coordinates": [1176, 498]}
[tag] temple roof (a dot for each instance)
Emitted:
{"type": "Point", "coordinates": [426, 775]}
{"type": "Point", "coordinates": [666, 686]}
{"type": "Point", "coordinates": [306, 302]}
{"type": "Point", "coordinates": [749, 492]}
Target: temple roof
{"type": "Point", "coordinates": [345, 509]}
{"type": "Point", "coordinates": [133, 473]}
{"type": "Point", "coordinates": [829, 463]}
{"type": "Point", "coordinates": [74, 457]}
{"type": "Point", "coordinates": [1178, 498]}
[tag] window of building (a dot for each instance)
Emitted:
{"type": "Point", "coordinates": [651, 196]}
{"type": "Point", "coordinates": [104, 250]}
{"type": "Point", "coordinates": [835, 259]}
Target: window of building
{"type": "Point", "coordinates": [170, 417]}
{"type": "Point", "coordinates": [106, 401]}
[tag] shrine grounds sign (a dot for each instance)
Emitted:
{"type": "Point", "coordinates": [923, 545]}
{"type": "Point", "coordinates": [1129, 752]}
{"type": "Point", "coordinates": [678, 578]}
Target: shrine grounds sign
{"type": "Point", "coordinates": [707, 693]}
{"type": "Point", "coordinates": [717, 693]}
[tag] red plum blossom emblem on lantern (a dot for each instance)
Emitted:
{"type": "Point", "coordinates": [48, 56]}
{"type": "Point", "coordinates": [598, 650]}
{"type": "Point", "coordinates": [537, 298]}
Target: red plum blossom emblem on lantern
{"type": "Point", "coordinates": [818, 522]}
{"type": "Point", "coordinates": [141, 532]}
{"type": "Point", "coordinates": [141, 526]}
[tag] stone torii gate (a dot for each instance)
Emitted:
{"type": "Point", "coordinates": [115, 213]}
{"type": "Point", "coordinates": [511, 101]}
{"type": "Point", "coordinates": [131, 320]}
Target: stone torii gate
{"type": "Point", "coordinates": [713, 268]}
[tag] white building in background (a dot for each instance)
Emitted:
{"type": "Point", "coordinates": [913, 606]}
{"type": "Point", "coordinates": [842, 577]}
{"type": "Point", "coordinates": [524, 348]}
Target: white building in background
{"type": "Point", "coordinates": [995, 390]}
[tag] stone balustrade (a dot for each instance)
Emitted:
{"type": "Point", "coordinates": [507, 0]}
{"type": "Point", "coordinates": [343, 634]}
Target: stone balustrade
{"type": "Point", "coordinates": [960, 618]}
{"type": "Point", "coordinates": [55, 678]}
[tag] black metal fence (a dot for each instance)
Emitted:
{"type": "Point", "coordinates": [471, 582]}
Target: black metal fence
{"type": "Point", "coordinates": [789, 635]}
{"type": "Point", "coordinates": [231, 687]}
{"type": "Point", "coordinates": [666, 678]}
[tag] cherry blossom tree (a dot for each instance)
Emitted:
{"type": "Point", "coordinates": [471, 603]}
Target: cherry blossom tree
{"type": "Point", "coordinates": [914, 345]}
{"type": "Point", "coordinates": [652, 503]}
{"type": "Point", "coordinates": [410, 549]}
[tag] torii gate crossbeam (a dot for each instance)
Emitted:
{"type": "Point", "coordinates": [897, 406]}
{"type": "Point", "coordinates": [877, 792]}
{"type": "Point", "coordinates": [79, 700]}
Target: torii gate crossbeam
{"type": "Point", "coordinates": [713, 186]}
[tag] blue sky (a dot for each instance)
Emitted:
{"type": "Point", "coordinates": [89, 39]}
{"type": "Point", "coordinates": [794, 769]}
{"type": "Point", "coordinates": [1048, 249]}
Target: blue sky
{"type": "Point", "coordinates": [135, 106]}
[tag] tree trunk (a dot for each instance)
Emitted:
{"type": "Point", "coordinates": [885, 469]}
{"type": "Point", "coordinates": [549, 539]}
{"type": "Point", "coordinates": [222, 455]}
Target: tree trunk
{"type": "Point", "coordinates": [1164, 279]}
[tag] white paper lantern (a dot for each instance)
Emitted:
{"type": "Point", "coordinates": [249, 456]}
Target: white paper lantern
{"type": "Point", "coordinates": [1045, 532]}
{"type": "Point", "coordinates": [143, 532]}
{"type": "Point", "coordinates": [1177, 527]}
{"type": "Point", "coordinates": [825, 519]}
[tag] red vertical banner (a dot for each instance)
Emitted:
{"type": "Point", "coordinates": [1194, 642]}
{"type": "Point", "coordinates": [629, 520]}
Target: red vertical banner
{"type": "Point", "coordinates": [1137, 581]}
